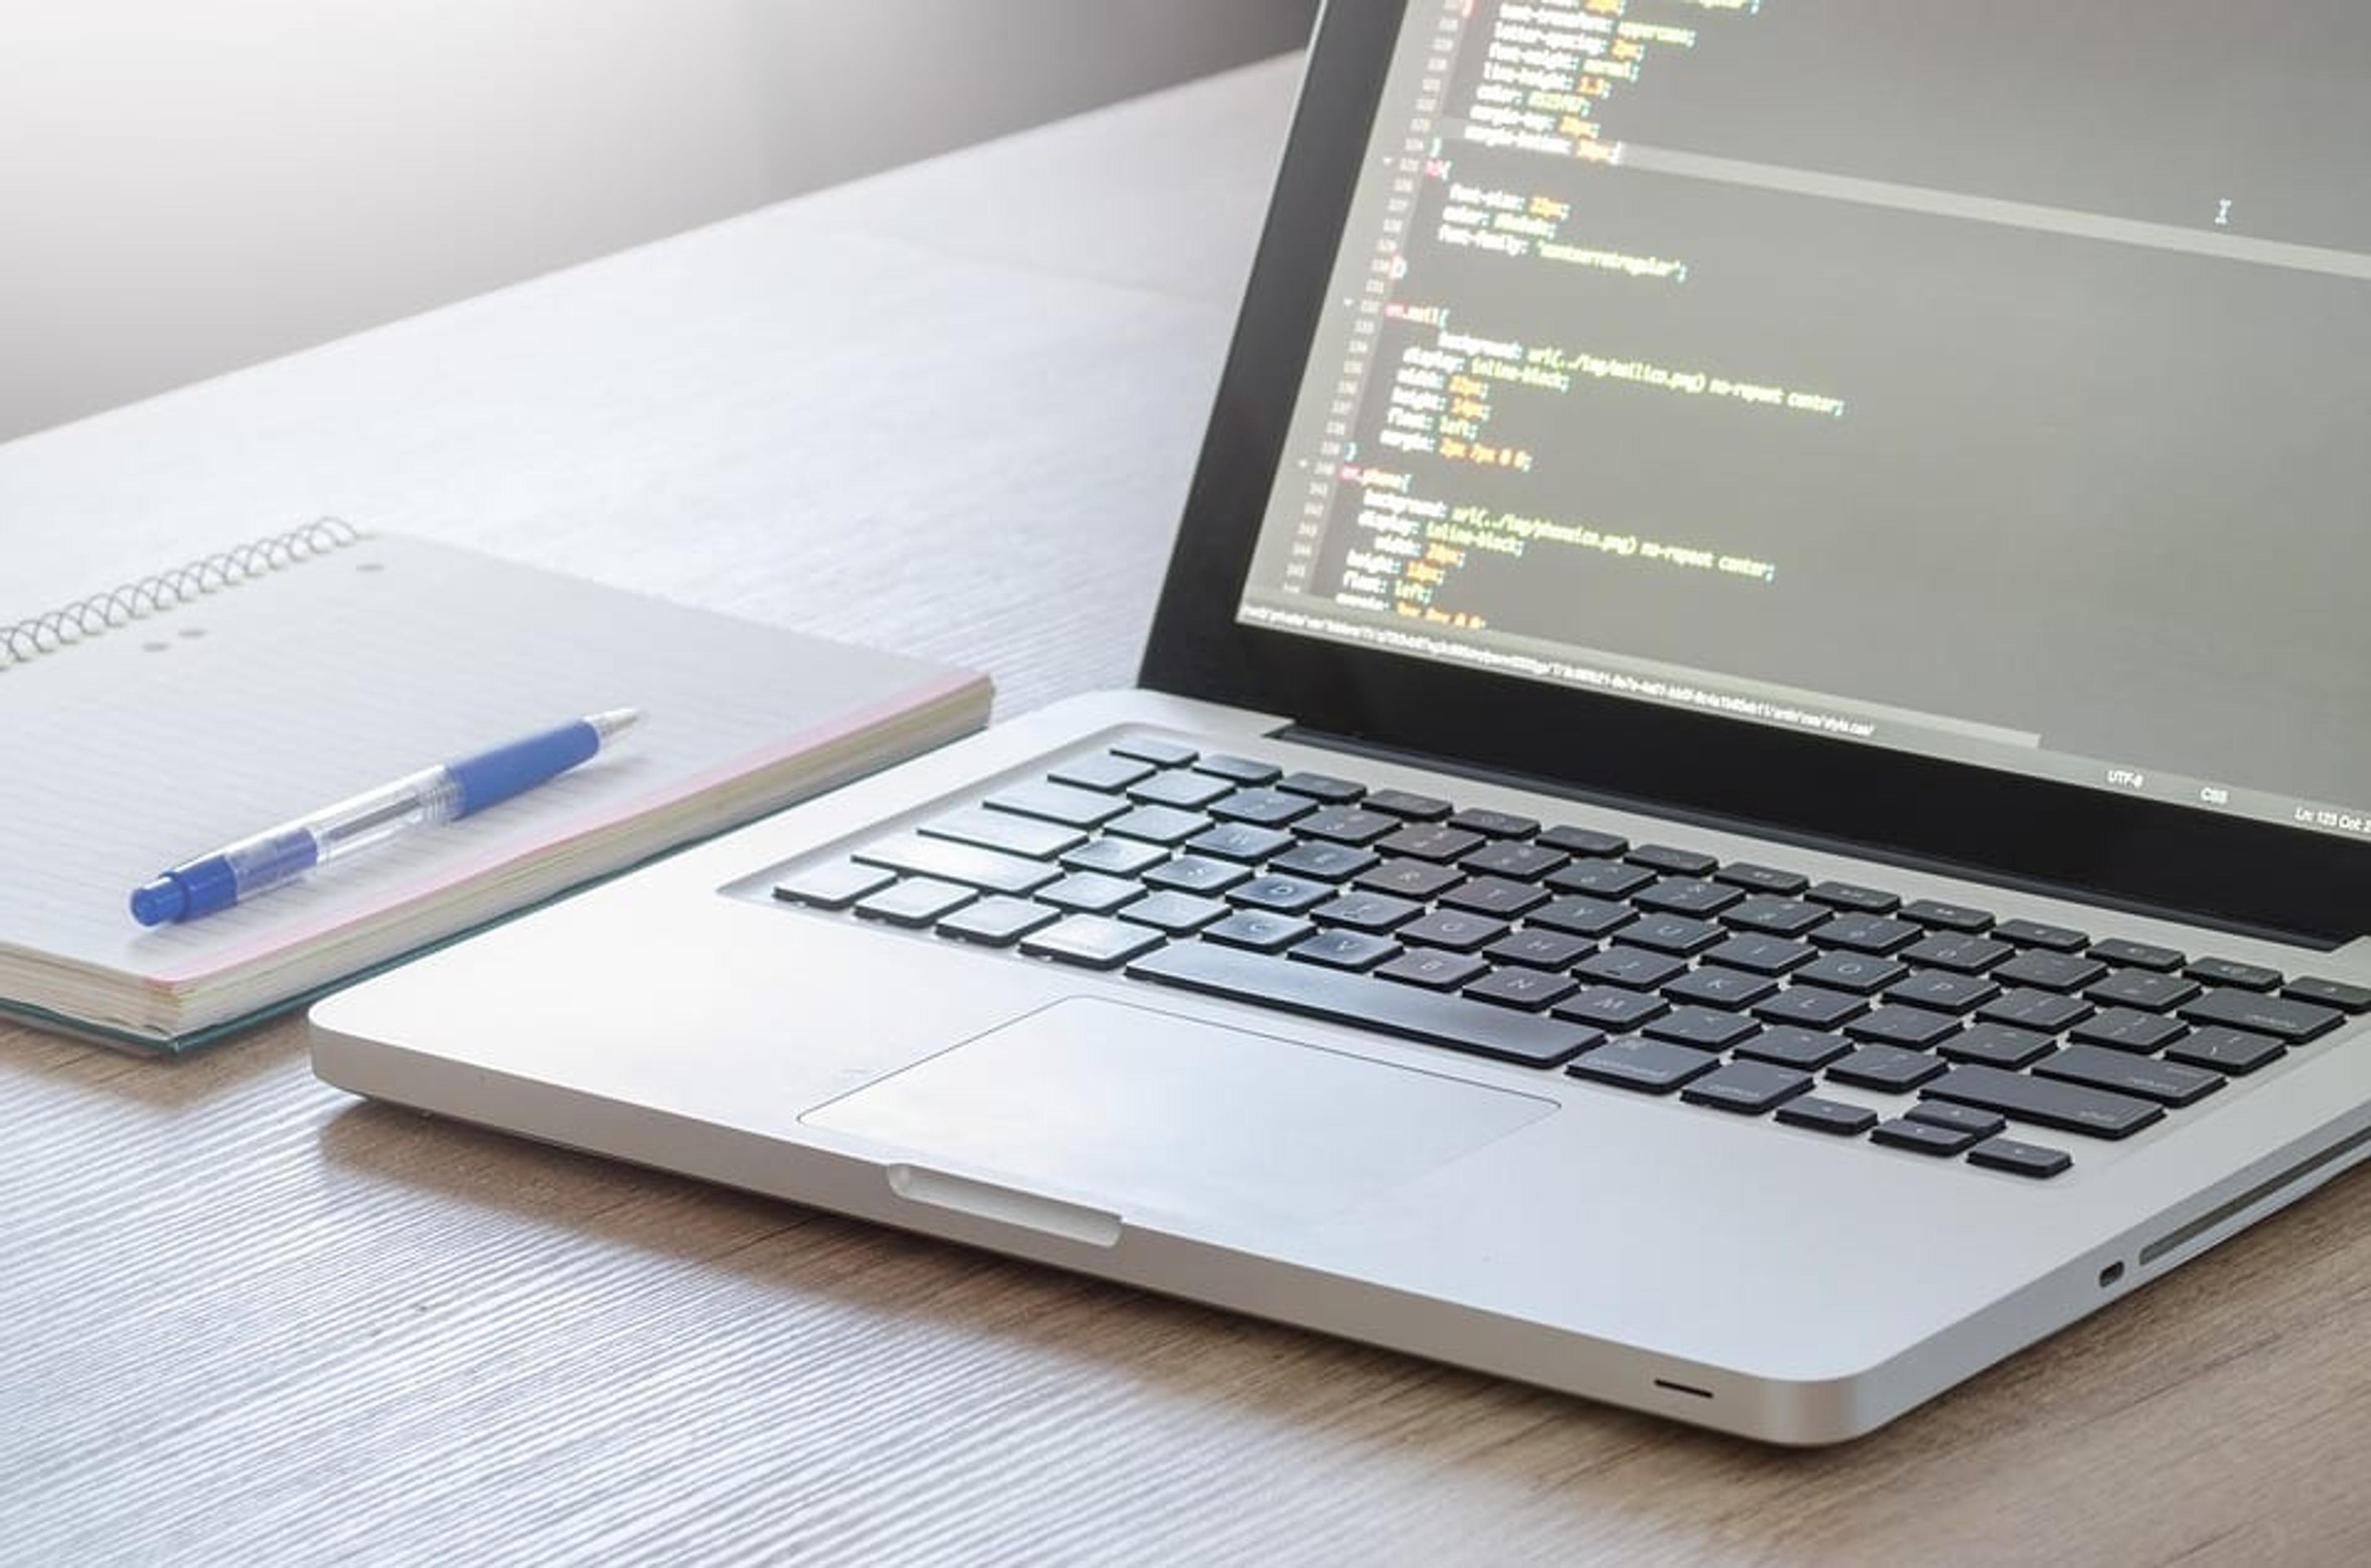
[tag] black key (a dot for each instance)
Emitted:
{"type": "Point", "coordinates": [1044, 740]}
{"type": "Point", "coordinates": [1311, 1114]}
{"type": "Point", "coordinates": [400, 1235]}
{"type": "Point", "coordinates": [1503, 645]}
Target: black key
{"type": "Point", "coordinates": [1260, 930]}
{"type": "Point", "coordinates": [1705, 1028]}
{"type": "Point", "coordinates": [2045, 1012]}
{"type": "Point", "coordinates": [1654, 1066]}
{"type": "Point", "coordinates": [1584, 841]}
{"type": "Point", "coordinates": [1430, 841]}
{"type": "Point", "coordinates": [2123, 1029]}
{"type": "Point", "coordinates": [2050, 971]}
{"type": "Point", "coordinates": [1432, 969]}
{"type": "Point", "coordinates": [1717, 987]}
{"type": "Point", "coordinates": [1792, 1047]}
{"type": "Point", "coordinates": [1321, 787]}
{"type": "Point", "coordinates": [1410, 879]}
{"type": "Point", "coordinates": [1686, 895]}
{"type": "Point", "coordinates": [1189, 791]}
{"type": "Point", "coordinates": [1893, 1025]}
{"type": "Point", "coordinates": [1165, 825]}
{"type": "Point", "coordinates": [1537, 949]}
{"type": "Point", "coordinates": [1747, 1088]}
{"type": "Point", "coordinates": [1609, 1008]}
{"type": "Point", "coordinates": [1057, 802]}
{"type": "Point", "coordinates": [1957, 951]}
{"type": "Point", "coordinates": [2046, 1102]}
{"type": "Point", "coordinates": [1198, 873]}
{"type": "Point", "coordinates": [1120, 856]}
{"type": "Point", "coordinates": [1889, 1067]}
{"type": "Point", "coordinates": [1948, 916]}
{"type": "Point", "coordinates": [918, 901]}
{"type": "Point", "coordinates": [1858, 972]}
{"type": "Point", "coordinates": [833, 886]}
{"type": "Point", "coordinates": [2020, 1159]}
{"type": "Point", "coordinates": [1161, 754]}
{"type": "Point", "coordinates": [2292, 1021]}
{"type": "Point", "coordinates": [1811, 1006]}
{"type": "Point", "coordinates": [1346, 824]}
{"type": "Point", "coordinates": [1454, 930]}
{"type": "Point", "coordinates": [1409, 805]}
{"type": "Point", "coordinates": [1761, 955]}
{"type": "Point", "coordinates": [1493, 895]}
{"type": "Point", "coordinates": [1093, 942]}
{"type": "Point", "coordinates": [1327, 862]}
{"type": "Point", "coordinates": [1851, 895]}
{"type": "Point", "coordinates": [1090, 893]}
{"type": "Point", "coordinates": [1584, 917]}
{"type": "Point", "coordinates": [2336, 994]}
{"type": "Point", "coordinates": [2034, 933]}
{"type": "Point", "coordinates": [1291, 896]}
{"type": "Point", "coordinates": [989, 870]}
{"type": "Point", "coordinates": [1995, 1044]}
{"type": "Point", "coordinates": [2233, 1051]}
{"type": "Point", "coordinates": [1404, 1010]}
{"type": "Point", "coordinates": [2169, 1083]}
{"type": "Point", "coordinates": [1366, 911]}
{"type": "Point", "coordinates": [1966, 1118]}
{"type": "Point", "coordinates": [1867, 933]}
{"type": "Point", "coordinates": [1635, 969]}
{"type": "Point", "coordinates": [996, 921]}
{"type": "Point", "coordinates": [1241, 841]}
{"type": "Point", "coordinates": [1002, 830]}
{"type": "Point", "coordinates": [1494, 824]}
{"type": "Point", "coordinates": [1344, 949]}
{"type": "Point", "coordinates": [1920, 1138]}
{"type": "Point", "coordinates": [1827, 1115]}
{"type": "Point", "coordinates": [1242, 769]}
{"type": "Point", "coordinates": [1763, 879]}
{"type": "Point", "coordinates": [1672, 933]}
{"type": "Point", "coordinates": [2143, 988]}
{"type": "Point", "coordinates": [1267, 808]}
{"type": "Point", "coordinates": [1775, 916]}
{"type": "Point", "coordinates": [1600, 878]}
{"type": "Point", "coordinates": [1944, 992]}
{"type": "Point", "coordinates": [1175, 913]}
{"type": "Point", "coordinates": [1515, 986]}
{"type": "Point", "coordinates": [2139, 955]}
{"type": "Point", "coordinates": [1675, 860]}
{"type": "Point", "coordinates": [2231, 972]}
{"type": "Point", "coordinates": [1513, 858]}
{"type": "Point", "coordinates": [1105, 770]}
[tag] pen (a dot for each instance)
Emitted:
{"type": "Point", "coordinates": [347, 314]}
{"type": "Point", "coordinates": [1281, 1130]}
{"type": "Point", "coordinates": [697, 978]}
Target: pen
{"type": "Point", "coordinates": [434, 795]}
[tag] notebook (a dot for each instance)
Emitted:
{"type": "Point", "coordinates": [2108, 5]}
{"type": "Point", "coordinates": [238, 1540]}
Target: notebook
{"type": "Point", "coordinates": [151, 723]}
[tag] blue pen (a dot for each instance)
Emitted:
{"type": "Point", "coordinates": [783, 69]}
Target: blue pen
{"type": "Point", "coordinates": [239, 871]}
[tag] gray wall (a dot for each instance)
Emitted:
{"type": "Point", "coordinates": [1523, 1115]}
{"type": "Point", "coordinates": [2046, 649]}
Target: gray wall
{"type": "Point", "coordinates": [188, 186]}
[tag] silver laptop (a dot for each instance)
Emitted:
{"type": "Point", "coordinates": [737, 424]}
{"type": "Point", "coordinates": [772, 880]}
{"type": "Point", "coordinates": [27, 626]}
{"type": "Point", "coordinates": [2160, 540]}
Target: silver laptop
{"type": "Point", "coordinates": [1749, 785]}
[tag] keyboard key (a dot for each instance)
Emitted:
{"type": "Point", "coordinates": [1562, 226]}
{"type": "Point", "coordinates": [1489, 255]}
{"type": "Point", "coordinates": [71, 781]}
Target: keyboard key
{"type": "Point", "coordinates": [1366, 911]}
{"type": "Point", "coordinates": [1654, 1066]}
{"type": "Point", "coordinates": [1809, 1007]}
{"type": "Point", "coordinates": [1945, 916]}
{"type": "Point", "coordinates": [1430, 841]}
{"type": "Point", "coordinates": [1995, 1044]}
{"type": "Point", "coordinates": [1404, 1010]}
{"type": "Point", "coordinates": [1832, 1116]}
{"type": "Point", "coordinates": [1260, 930]}
{"type": "Point", "coordinates": [1292, 895]}
{"type": "Point", "coordinates": [918, 901]}
{"type": "Point", "coordinates": [1493, 895]}
{"type": "Point", "coordinates": [1409, 805]}
{"type": "Point", "coordinates": [1763, 879]}
{"type": "Point", "coordinates": [1267, 808]}
{"type": "Point", "coordinates": [1582, 917]}
{"type": "Point", "coordinates": [1165, 825]}
{"type": "Point", "coordinates": [1188, 791]}
{"type": "Point", "coordinates": [1867, 933]}
{"type": "Point", "coordinates": [1792, 1047]}
{"type": "Point", "coordinates": [1515, 986]}
{"type": "Point", "coordinates": [1891, 1025]}
{"type": "Point", "coordinates": [2139, 955]}
{"type": "Point", "coordinates": [1321, 787]}
{"type": "Point", "coordinates": [1708, 1029]}
{"type": "Point", "coordinates": [1858, 972]}
{"type": "Point", "coordinates": [1600, 878]}
{"type": "Point", "coordinates": [1944, 992]}
{"type": "Point", "coordinates": [1747, 1088]}
{"type": "Point", "coordinates": [990, 871]}
{"type": "Point", "coordinates": [1920, 1137]}
{"type": "Point", "coordinates": [1686, 895]}
{"type": "Point", "coordinates": [2336, 994]}
{"type": "Point", "coordinates": [1093, 941]}
{"type": "Point", "coordinates": [1537, 949]}
{"type": "Point", "coordinates": [1105, 770]}
{"type": "Point", "coordinates": [1889, 1067]}
{"type": "Point", "coordinates": [1327, 862]}
{"type": "Point", "coordinates": [1775, 916]}
{"type": "Point", "coordinates": [1057, 802]}
{"type": "Point", "coordinates": [2020, 1159]}
{"type": "Point", "coordinates": [1175, 913]}
{"type": "Point", "coordinates": [1760, 955]}
{"type": "Point", "coordinates": [2037, 934]}
{"type": "Point", "coordinates": [2045, 1012]}
{"type": "Point", "coordinates": [1090, 893]}
{"type": "Point", "coordinates": [1714, 986]}
{"type": "Point", "coordinates": [1410, 879]}
{"type": "Point", "coordinates": [1632, 968]}
{"type": "Point", "coordinates": [2046, 1102]}
{"type": "Point", "coordinates": [1851, 896]}
{"type": "Point", "coordinates": [1611, 1008]}
{"type": "Point", "coordinates": [2123, 1029]}
{"type": "Point", "coordinates": [1432, 969]}
{"type": "Point", "coordinates": [2169, 1083]}
{"type": "Point", "coordinates": [2230, 972]}
{"type": "Point", "coordinates": [835, 885]}
{"type": "Point", "coordinates": [1120, 856]}
{"type": "Point", "coordinates": [1586, 841]}
{"type": "Point", "coordinates": [1241, 769]}
{"type": "Point", "coordinates": [1956, 951]}
{"type": "Point", "coordinates": [2233, 1051]}
{"type": "Point", "coordinates": [1672, 933]}
{"type": "Point", "coordinates": [1160, 753]}
{"type": "Point", "coordinates": [1966, 1118]}
{"type": "Point", "coordinates": [1452, 929]}
{"type": "Point", "coordinates": [996, 921]}
{"type": "Point", "coordinates": [1344, 949]}
{"type": "Point", "coordinates": [1240, 841]}
{"type": "Point", "coordinates": [1514, 858]}
{"type": "Point", "coordinates": [2050, 971]}
{"type": "Point", "coordinates": [1494, 824]}
{"type": "Point", "coordinates": [1198, 873]}
{"type": "Point", "coordinates": [1670, 858]}
{"type": "Point", "coordinates": [2141, 989]}
{"type": "Point", "coordinates": [1002, 830]}
{"type": "Point", "coordinates": [2279, 1016]}
{"type": "Point", "coordinates": [1346, 824]}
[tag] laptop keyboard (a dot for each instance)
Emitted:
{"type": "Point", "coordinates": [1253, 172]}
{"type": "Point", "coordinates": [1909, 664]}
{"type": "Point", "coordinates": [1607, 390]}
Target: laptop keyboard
{"type": "Point", "coordinates": [1651, 968]}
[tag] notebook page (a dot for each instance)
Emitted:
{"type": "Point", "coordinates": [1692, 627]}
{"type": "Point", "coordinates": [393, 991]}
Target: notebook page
{"type": "Point", "coordinates": [161, 741]}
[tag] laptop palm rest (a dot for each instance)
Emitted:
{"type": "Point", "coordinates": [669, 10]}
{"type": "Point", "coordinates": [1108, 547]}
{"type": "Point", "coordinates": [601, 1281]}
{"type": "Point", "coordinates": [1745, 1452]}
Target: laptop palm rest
{"type": "Point", "coordinates": [1138, 1110]}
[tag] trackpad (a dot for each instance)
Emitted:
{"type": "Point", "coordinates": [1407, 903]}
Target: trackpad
{"type": "Point", "coordinates": [1145, 1112]}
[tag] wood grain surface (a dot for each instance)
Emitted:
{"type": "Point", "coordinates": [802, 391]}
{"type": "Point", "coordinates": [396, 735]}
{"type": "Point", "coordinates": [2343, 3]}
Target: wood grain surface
{"type": "Point", "coordinates": [244, 1317]}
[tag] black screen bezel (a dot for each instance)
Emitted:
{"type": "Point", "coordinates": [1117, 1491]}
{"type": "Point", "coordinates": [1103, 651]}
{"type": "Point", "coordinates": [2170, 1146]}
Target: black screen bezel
{"type": "Point", "coordinates": [2137, 853]}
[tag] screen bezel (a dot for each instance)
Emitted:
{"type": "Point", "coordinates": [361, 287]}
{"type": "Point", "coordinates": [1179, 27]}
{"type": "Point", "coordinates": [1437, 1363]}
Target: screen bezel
{"type": "Point", "coordinates": [2137, 853]}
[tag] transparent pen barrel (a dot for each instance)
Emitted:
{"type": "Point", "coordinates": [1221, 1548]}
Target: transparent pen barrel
{"type": "Point", "coordinates": [419, 800]}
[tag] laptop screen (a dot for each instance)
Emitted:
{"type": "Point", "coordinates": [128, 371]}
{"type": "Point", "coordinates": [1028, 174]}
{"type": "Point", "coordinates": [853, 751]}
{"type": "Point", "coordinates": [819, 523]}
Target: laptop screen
{"type": "Point", "coordinates": [1990, 382]}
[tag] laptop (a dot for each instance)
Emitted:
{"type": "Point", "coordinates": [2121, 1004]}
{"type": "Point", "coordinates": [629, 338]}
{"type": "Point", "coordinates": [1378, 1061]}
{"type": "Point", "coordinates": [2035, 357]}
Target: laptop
{"type": "Point", "coordinates": [1750, 784]}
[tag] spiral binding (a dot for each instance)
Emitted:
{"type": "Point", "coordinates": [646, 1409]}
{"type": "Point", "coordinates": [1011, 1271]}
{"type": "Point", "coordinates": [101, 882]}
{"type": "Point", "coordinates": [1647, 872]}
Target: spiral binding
{"type": "Point", "coordinates": [46, 633]}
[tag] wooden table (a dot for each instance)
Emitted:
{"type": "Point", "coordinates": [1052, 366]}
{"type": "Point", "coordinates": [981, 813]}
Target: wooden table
{"type": "Point", "coordinates": [952, 410]}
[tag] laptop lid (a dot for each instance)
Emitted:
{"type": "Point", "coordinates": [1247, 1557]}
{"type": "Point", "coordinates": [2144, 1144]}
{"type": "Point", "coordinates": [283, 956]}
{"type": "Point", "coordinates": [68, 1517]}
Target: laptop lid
{"type": "Point", "coordinates": [1935, 428]}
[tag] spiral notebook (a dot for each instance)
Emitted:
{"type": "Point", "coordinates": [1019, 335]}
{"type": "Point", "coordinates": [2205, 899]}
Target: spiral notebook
{"type": "Point", "coordinates": [149, 723]}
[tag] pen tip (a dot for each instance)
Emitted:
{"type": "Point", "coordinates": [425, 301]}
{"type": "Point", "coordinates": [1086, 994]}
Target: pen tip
{"type": "Point", "coordinates": [614, 722]}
